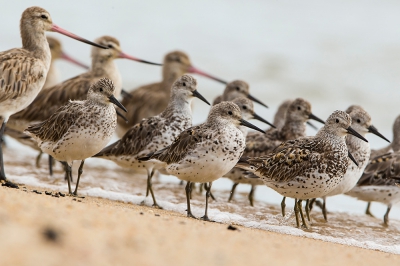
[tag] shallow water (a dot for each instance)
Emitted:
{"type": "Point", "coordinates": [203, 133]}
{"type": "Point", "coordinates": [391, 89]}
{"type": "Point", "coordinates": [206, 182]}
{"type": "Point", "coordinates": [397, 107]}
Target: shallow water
{"type": "Point", "coordinates": [102, 178]}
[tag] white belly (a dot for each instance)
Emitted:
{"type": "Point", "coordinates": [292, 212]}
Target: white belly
{"type": "Point", "coordinates": [383, 194]}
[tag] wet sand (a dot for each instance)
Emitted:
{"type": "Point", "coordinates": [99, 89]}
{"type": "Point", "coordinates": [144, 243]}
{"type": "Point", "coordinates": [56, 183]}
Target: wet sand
{"type": "Point", "coordinates": [39, 229]}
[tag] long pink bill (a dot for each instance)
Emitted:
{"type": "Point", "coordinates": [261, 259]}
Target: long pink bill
{"type": "Point", "coordinates": [194, 70]}
{"type": "Point", "coordinates": [126, 56]}
{"type": "Point", "coordinates": [72, 60]}
{"type": "Point", "coordinates": [56, 28]}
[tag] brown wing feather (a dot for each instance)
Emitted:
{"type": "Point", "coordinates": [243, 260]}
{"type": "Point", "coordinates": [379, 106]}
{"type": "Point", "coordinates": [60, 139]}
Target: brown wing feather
{"type": "Point", "coordinates": [183, 144]}
{"type": "Point", "coordinates": [58, 124]}
{"type": "Point", "coordinates": [383, 170]}
{"type": "Point", "coordinates": [144, 102]}
{"type": "Point", "coordinates": [136, 139]}
{"type": "Point", "coordinates": [288, 160]}
{"type": "Point", "coordinates": [17, 71]}
{"type": "Point", "coordinates": [49, 101]}
{"type": "Point", "coordinates": [258, 144]}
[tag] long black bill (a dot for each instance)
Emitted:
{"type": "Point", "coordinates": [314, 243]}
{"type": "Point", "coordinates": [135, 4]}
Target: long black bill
{"type": "Point", "coordinates": [256, 116]}
{"type": "Point", "coordinates": [351, 131]}
{"type": "Point", "coordinates": [117, 103]}
{"type": "Point", "coordinates": [312, 116]}
{"type": "Point", "coordinates": [311, 125]}
{"type": "Point", "coordinates": [352, 158]}
{"type": "Point", "coordinates": [247, 124]}
{"type": "Point", "coordinates": [374, 130]}
{"type": "Point", "coordinates": [256, 100]}
{"type": "Point", "coordinates": [122, 116]}
{"type": "Point", "coordinates": [198, 95]}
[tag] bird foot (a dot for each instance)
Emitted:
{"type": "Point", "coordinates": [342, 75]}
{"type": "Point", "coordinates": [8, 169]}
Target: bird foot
{"type": "Point", "coordinates": [9, 184]}
{"type": "Point", "coordinates": [205, 218]}
{"type": "Point", "coordinates": [156, 206]}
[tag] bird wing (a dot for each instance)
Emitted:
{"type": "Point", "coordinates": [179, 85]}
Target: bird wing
{"type": "Point", "coordinates": [54, 128]}
{"type": "Point", "coordinates": [258, 144]}
{"type": "Point", "coordinates": [382, 170]}
{"type": "Point", "coordinates": [49, 101]}
{"type": "Point", "coordinates": [17, 71]}
{"type": "Point", "coordinates": [182, 145]}
{"type": "Point", "coordinates": [136, 139]}
{"type": "Point", "coordinates": [290, 159]}
{"type": "Point", "coordinates": [146, 101]}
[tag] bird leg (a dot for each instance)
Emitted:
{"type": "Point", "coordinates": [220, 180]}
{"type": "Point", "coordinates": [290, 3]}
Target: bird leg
{"type": "Point", "coordinates": [188, 190]}
{"type": "Point", "coordinates": [300, 206]}
{"type": "Point", "coordinates": [367, 211]}
{"type": "Point", "coordinates": [251, 195]}
{"type": "Point", "coordinates": [232, 191]}
{"type": "Point", "coordinates": [2, 172]}
{"type": "Point", "coordinates": [311, 204]}
{"type": "Point", "coordinates": [386, 217]}
{"type": "Point", "coordinates": [283, 206]}
{"type": "Point", "coordinates": [150, 187]}
{"type": "Point", "coordinates": [296, 212]}
{"type": "Point", "coordinates": [308, 210]}
{"type": "Point", "coordinates": [38, 159]}
{"type": "Point", "coordinates": [51, 161]}
{"type": "Point", "coordinates": [324, 212]}
{"type": "Point", "coordinates": [67, 175]}
{"type": "Point", "coordinates": [80, 171]}
{"type": "Point", "coordinates": [208, 194]}
{"type": "Point", "coordinates": [206, 187]}
{"type": "Point", "coordinates": [192, 188]}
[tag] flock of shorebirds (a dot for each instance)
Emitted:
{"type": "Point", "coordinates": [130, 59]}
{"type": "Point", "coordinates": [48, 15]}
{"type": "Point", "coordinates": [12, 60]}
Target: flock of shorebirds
{"type": "Point", "coordinates": [75, 120]}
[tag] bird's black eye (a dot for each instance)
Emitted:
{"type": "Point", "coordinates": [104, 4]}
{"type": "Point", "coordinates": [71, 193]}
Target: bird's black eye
{"type": "Point", "coordinates": [43, 16]}
{"type": "Point", "coordinates": [101, 89]}
{"type": "Point", "coordinates": [110, 46]}
{"type": "Point", "coordinates": [244, 107]}
{"type": "Point", "coordinates": [337, 120]}
{"type": "Point", "coordinates": [298, 108]}
{"type": "Point", "coordinates": [237, 88]}
{"type": "Point", "coordinates": [230, 113]}
{"type": "Point", "coordinates": [184, 84]}
{"type": "Point", "coordinates": [358, 121]}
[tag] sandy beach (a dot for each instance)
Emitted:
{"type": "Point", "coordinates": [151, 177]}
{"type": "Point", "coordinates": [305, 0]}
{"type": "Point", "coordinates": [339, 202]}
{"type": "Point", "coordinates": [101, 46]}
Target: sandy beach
{"type": "Point", "coordinates": [39, 229]}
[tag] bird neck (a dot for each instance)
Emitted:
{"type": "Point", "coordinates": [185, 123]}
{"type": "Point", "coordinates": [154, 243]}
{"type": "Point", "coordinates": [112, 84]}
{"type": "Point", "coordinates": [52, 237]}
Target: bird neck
{"type": "Point", "coordinates": [170, 75]}
{"type": "Point", "coordinates": [293, 129]}
{"type": "Point", "coordinates": [103, 65]}
{"type": "Point", "coordinates": [330, 135]}
{"type": "Point", "coordinates": [35, 42]}
{"type": "Point", "coordinates": [178, 105]}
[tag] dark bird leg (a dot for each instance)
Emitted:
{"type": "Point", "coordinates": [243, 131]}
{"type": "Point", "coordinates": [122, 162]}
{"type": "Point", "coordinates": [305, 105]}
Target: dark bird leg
{"type": "Point", "coordinates": [188, 190]}
{"type": "Point", "coordinates": [150, 187]}
{"type": "Point", "coordinates": [80, 171]}
{"type": "Point", "coordinates": [300, 206]}
{"type": "Point", "coordinates": [312, 201]}
{"type": "Point", "coordinates": [51, 161]}
{"type": "Point", "coordinates": [232, 191]}
{"type": "Point", "coordinates": [308, 210]}
{"type": "Point", "coordinates": [208, 194]}
{"type": "Point", "coordinates": [296, 212]}
{"type": "Point", "coordinates": [67, 175]}
{"type": "Point", "coordinates": [2, 172]}
{"type": "Point", "coordinates": [386, 217]}
{"type": "Point", "coordinates": [324, 212]}
{"type": "Point", "coordinates": [283, 206]}
{"type": "Point", "coordinates": [251, 195]}
{"type": "Point", "coordinates": [368, 211]}
{"type": "Point", "coordinates": [38, 159]}
{"type": "Point", "coordinates": [206, 187]}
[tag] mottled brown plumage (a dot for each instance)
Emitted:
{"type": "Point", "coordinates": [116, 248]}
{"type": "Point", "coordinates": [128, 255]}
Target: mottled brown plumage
{"type": "Point", "coordinates": [79, 129]}
{"type": "Point", "coordinates": [152, 99]}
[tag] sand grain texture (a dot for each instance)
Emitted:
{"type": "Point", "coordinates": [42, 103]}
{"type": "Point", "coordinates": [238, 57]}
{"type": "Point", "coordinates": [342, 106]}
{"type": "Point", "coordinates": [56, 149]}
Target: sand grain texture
{"type": "Point", "coordinates": [102, 232]}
